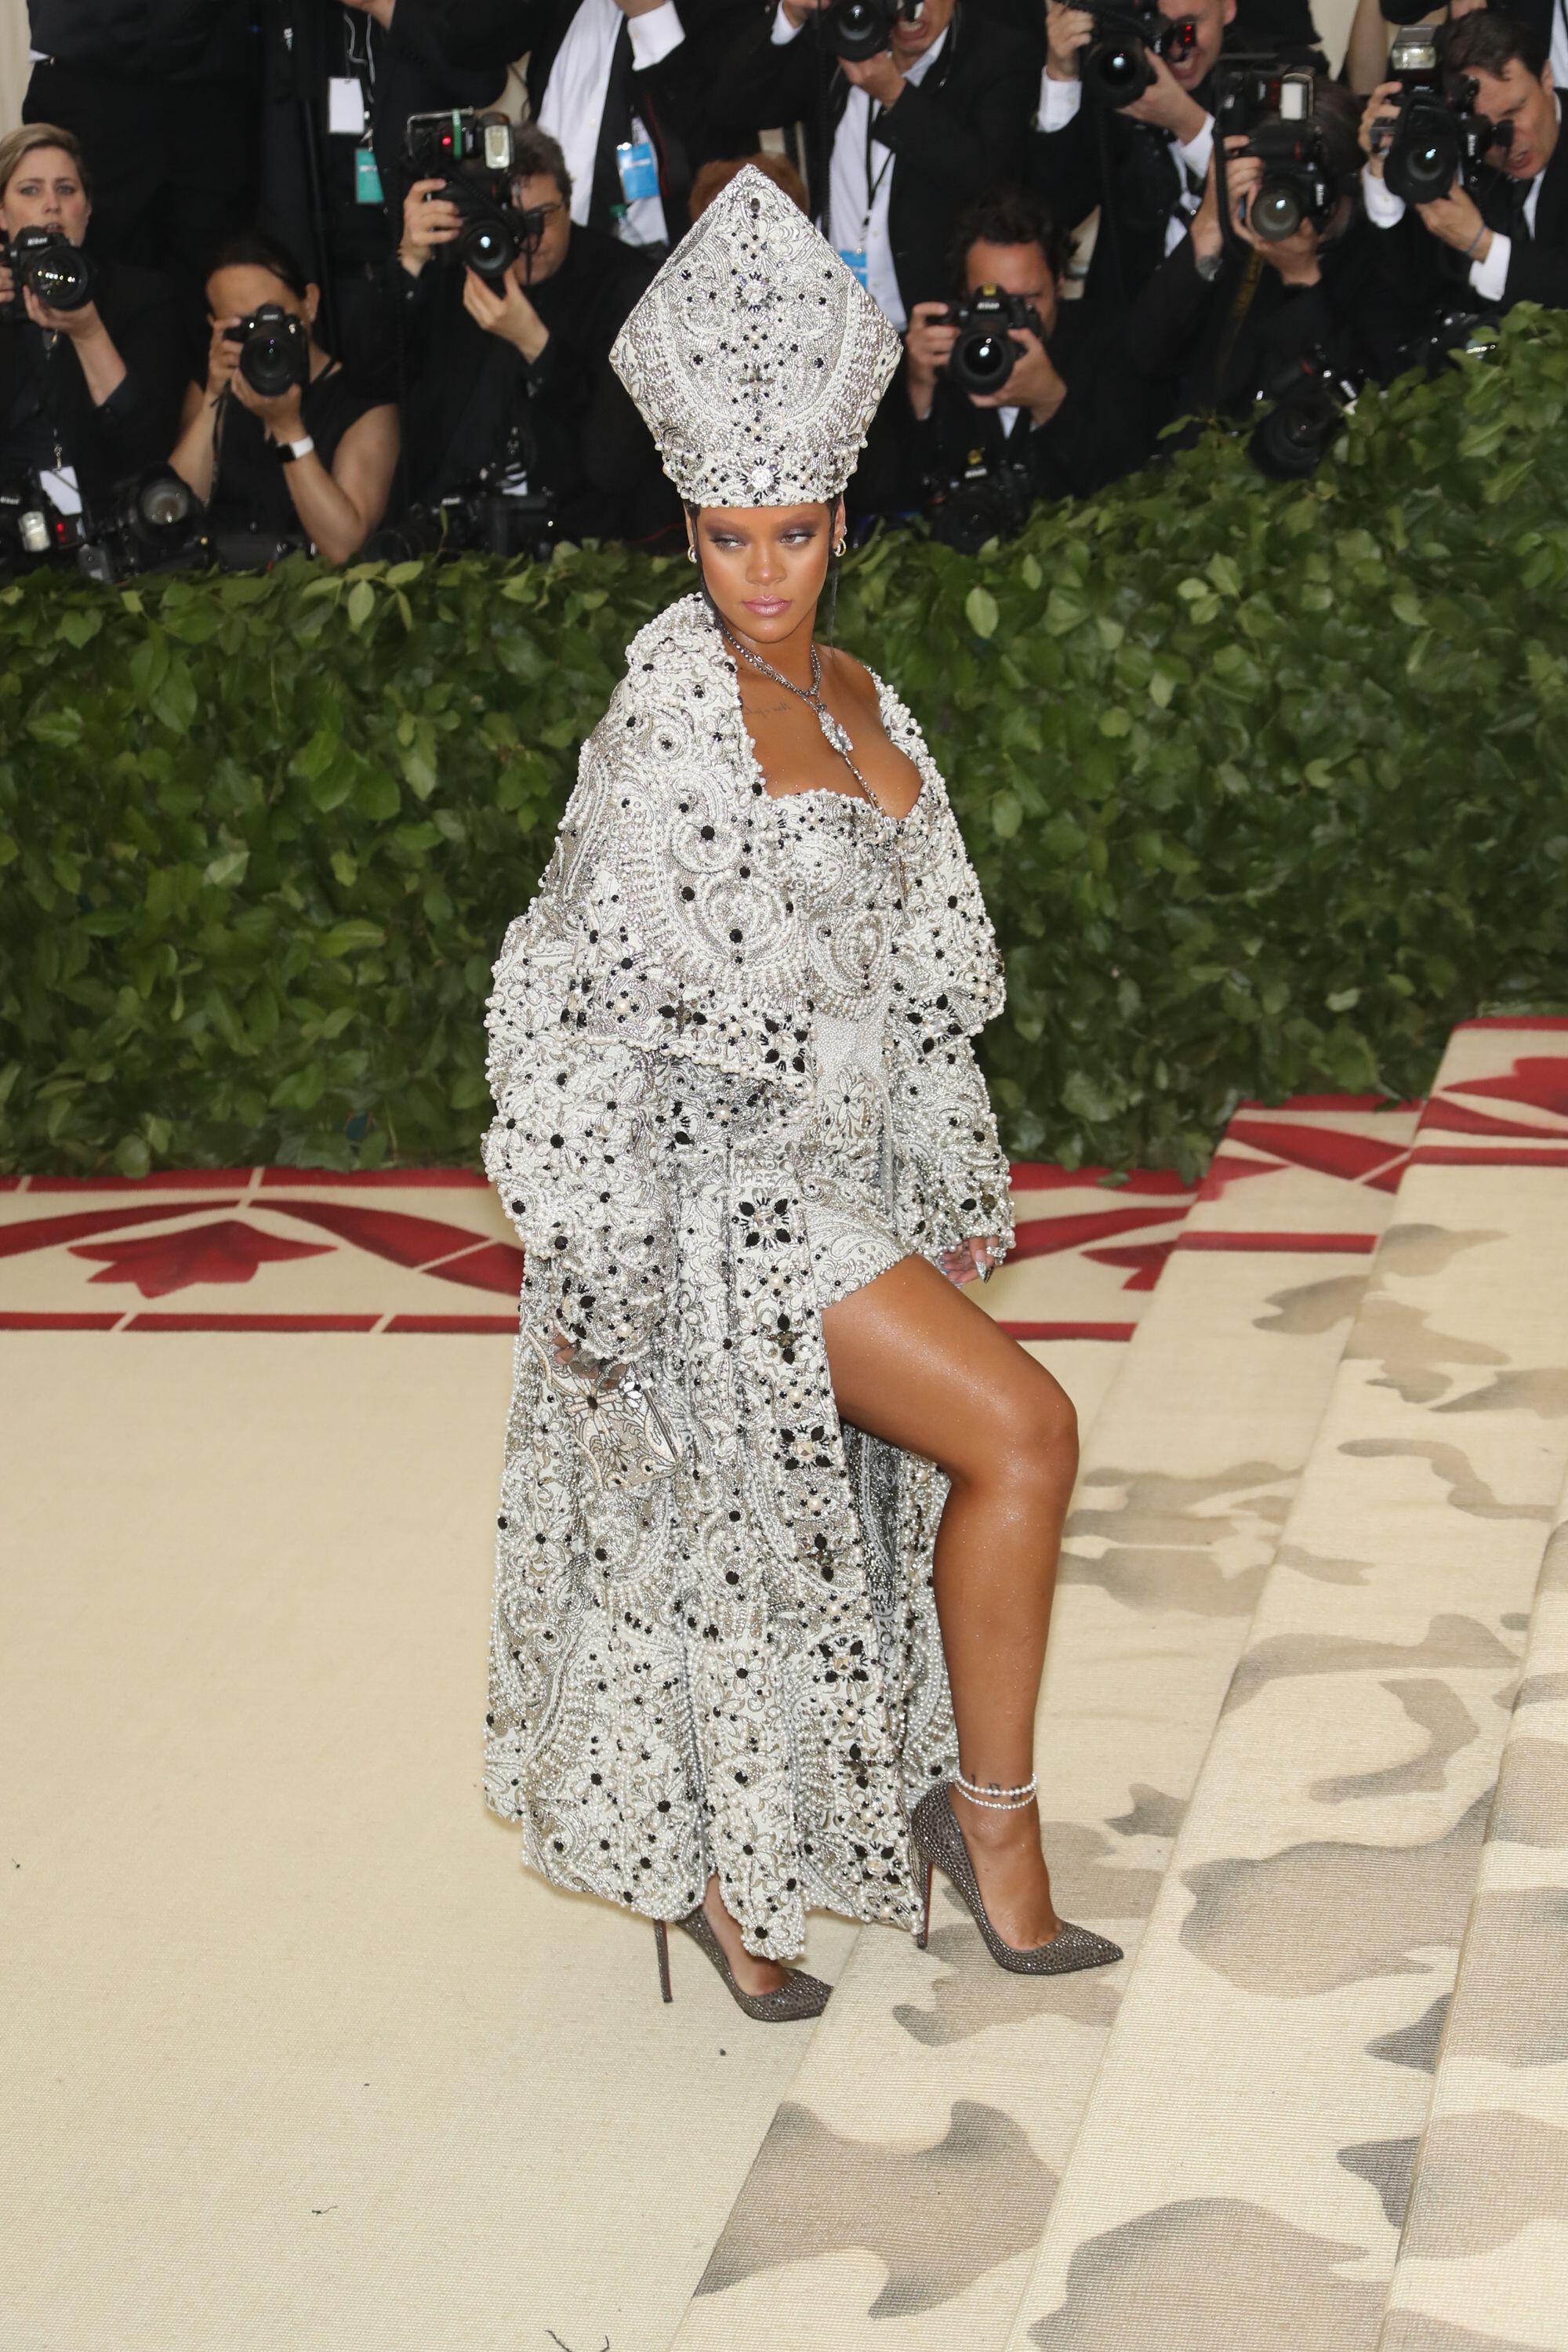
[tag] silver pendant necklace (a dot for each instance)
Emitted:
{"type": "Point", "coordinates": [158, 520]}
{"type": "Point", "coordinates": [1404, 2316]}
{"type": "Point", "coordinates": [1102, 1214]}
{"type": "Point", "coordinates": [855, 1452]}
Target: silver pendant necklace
{"type": "Point", "coordinates": [831, 727]}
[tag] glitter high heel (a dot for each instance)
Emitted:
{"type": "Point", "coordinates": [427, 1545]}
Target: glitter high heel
{"type": "Point", "coordinates": [800, 1995]}
{"type": "Point", "coordinates": [940, 1842]}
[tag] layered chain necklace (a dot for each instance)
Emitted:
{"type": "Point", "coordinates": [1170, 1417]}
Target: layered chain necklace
{"type": "Point", "coordinates": [833, 730]}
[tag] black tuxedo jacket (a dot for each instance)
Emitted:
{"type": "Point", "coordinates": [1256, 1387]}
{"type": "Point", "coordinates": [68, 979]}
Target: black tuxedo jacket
{"type": "Point", "coordinates": [956, 133]}
{"type": "Point", "coordinates": [1434, 273]}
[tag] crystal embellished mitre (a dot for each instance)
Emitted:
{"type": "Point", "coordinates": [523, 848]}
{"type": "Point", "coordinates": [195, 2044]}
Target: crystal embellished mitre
{"type": "Point", "coordinates": [756, 357]}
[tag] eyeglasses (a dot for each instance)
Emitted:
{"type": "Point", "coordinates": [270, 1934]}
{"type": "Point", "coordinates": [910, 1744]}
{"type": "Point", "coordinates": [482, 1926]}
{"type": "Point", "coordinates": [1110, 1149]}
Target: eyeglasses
{"type": "Point", "coordinates": [538, 212]}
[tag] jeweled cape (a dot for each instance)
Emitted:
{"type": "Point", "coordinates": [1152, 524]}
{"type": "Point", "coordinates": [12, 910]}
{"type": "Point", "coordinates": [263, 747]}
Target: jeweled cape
{"type": "Point", "coordinates": [714, 1642]}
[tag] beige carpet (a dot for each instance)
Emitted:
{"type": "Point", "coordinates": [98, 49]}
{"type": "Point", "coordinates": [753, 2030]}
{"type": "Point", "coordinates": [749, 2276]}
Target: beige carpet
{"type": "Point", "coordinates": [299, 2055]}
{"type": "Point", "coordinates": [1239, 2178]}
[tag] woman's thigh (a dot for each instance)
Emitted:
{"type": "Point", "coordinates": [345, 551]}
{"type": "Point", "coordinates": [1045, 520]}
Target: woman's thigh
{"type": "Point", "coordinates": [916, 1363]}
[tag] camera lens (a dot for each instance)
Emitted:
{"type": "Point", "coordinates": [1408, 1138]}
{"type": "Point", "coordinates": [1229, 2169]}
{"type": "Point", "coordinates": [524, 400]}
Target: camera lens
{"type": "Point", "coordinates": [857, 29]}
{"type": "Point", "coordinates": [1275, 212]}
{"type": "Point", "coordinates": [982, 361]}
{"type": "Point", "coordinates": [484, 247]}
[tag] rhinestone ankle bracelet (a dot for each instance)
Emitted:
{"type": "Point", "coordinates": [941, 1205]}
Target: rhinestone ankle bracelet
{"type": "Point", "coordinates": [1001, 1800]}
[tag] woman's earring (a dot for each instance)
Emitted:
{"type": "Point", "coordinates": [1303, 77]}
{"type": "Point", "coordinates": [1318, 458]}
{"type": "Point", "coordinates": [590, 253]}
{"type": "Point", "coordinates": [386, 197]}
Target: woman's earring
{"type": "Point", "coordinates": [841, 546]}
{"type": "Point", "coordinates": [691, 552]}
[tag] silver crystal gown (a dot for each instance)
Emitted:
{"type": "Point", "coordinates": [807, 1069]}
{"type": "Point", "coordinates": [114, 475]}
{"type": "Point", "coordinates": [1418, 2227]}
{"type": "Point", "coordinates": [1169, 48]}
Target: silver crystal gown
{"type": "Point", "coordinates": [730, 1052]}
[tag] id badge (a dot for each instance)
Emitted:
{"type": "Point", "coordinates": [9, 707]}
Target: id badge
{"type": "Point", "coordinates": [856, 260]}
{"type": "Point", "coordinates": [367, 177]}
{"type": "Point", "coordinates": [345, 106]}
{"type": "Point", "coordinates": [639, 173]}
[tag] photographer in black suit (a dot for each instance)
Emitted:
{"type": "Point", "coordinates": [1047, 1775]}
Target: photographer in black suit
{"type": "Point", "coordinates": [897, 143]}
{"type": "Point", "coordinates": [1229, 317]}
{"type": "Point", "coordinates": [1065, 418]}
{"type": "Point", "coordinates": [1144, 164]}
{"type": "Point", "coordinates": [340, 78]}
{"type": "Point", "coordinates": [622, 85]}
{"type": "Point", "coordinates": [1506, 240]}
{"type": "Point", "coordinates": [510, 393]}
{"type": "Point", "coordinates": [90, 394]}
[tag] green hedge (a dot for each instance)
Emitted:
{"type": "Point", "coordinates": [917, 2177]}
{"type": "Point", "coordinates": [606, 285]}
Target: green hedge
{"type": "Point", "coordinates": [1265, 784]}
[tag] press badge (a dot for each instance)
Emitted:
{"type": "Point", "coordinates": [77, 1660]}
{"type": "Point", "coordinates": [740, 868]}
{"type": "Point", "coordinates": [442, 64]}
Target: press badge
{"type": "Point", "coordinates": [367, 177]}
{"type": "Point", "coordinates": [345, 106]}
{"type": "Point", "coordinates": [639, 173]}
{"type": "Point", "coordinates": [854, 261]}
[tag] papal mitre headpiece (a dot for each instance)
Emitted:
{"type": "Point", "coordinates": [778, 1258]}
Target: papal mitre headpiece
{"type": "Point", "coordinates": [757, 357]}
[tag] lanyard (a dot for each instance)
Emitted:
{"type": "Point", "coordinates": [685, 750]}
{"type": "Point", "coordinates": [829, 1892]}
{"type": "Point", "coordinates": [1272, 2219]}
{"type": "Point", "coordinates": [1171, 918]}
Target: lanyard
{"type": "Point", "coordinates": [873, 186]}
{"type": "Point", "coordinates": [361, 64]}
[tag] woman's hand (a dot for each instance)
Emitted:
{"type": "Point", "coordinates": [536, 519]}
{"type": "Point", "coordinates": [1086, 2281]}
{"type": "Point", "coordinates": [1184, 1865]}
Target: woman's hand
{"type": "Point", "coordinates": [222, 357]}
{"type": "Point", "coordinates": [975, 1257]}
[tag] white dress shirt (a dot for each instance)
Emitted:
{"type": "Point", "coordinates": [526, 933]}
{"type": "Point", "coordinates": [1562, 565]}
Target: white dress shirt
{"type": "Point", "coordinates": [573, 106]}
{"type": "Point", "coordinates": [1060, 100]}
{"type": "Point", "coordinates": [854, 224]}
{"type": "Point", "coordinates": [1489, 279]}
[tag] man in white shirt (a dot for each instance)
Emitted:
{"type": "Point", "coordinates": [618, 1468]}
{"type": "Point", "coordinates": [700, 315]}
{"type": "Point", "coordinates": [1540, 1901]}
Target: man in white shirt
{"type": "Point", "coordinates": [1510, 237]}
{"type": "Point", "coordinates": [911, 134]}
{"type": "Point", "coordinates": [617, 84]}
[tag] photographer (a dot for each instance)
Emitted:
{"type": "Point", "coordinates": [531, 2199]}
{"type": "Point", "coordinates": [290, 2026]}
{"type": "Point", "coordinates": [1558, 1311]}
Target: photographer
{"type": "Point", "coordinates": [309, 462]}
{"type": "Point", "coordinates": [622, 86]}
{"type": "Point", "coordinates": [340, 78]}
{"type": "Point", "coordinates": [1060, 413]}
{"type": "Point", "coordinates": [509, 377]}
{"type": "Point", "coordinates": [1144, 162]}
{"type": "Point", "coordinates": [89, 382]}
{"type": "Point", "coordinates": [1226, 318]}
{"type": "Point", "coordinates": [1505, 238]}
{"type": "Point", "coordinates": [897, 140]}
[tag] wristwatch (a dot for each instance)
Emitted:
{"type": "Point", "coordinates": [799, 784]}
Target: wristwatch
{"type": "Point", "coordinates": [289, 450]}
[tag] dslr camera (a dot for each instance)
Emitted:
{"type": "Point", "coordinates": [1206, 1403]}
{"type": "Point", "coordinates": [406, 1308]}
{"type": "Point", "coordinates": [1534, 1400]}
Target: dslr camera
{"type": "Point", "coordinates": [1434, 140]}
{"type": "Point", "coordinates": [59, 272]}
{"type": "Point", "coordinates": [274, 349]}
{"type": "Point", "coordinates": [1312, 400]}
{"type": "Point", "coordinates": [471, 153]}
{"type": "Point", "coordinates": [155, 522]}
{"type": "Point", "coordinates": [1274, 107]}
{"type": "Point", "coordinates": [32, 530]}
{"type": "Point", "coordinates": [861, 28]}
{"type": "Point", "coordinates": [983, 503]}
{"type": "Point", "coordinates": [1114, 62]}
{"type": "Point", "coordinates": [985, 354]}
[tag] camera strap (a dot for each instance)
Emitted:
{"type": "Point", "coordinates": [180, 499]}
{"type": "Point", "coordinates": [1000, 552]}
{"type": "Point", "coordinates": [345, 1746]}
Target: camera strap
{"type": "Point", "coordinates": [873, 185]}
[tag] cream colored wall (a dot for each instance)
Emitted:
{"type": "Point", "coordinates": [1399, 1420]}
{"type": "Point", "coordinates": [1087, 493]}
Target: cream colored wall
{"type": "Point", "coordinates": [14, 68]}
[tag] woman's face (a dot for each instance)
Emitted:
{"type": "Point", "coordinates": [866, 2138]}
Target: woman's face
{"type": "Point", "coordinates": [45, 191]}
{"type": "Point", "coordinates": [764, 566]}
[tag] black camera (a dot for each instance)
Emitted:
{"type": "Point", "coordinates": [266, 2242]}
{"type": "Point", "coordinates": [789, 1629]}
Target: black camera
{"type": "Point", "coordinates": [985, 354]}
{"type": "Point", "coordinates": [1274, 107]}
{"type": "Point", "coordinates": [478, 520]}
{"type": "Point", "coordinates": [862, 29]}
{"type": "Point", "coordinates": [1434, 140]}
{"type": "Point", "coordinates": [471, 153]}
{"type": "Point", "coordinates": [1114, 61]}
{"type": "Point", "coordinates": [984, 502]}
{"type": "Point", "coordinates": [155, 523]}
{"type": "Point", "coordinates": [274, 349]}
{"type": "Point", "coordinates": [1313, 399]}
{"type": "Point", "coordinates": [58, 272]}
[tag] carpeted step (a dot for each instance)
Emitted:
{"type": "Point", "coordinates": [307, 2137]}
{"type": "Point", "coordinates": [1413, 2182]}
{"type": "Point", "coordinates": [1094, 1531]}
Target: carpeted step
{"type": "Point", "coordinates": [1239, 2177]}
{"type": "Point", "coordinates": [900, 2188]}
{"type": "Point", "coordinates": [1483, 2259]}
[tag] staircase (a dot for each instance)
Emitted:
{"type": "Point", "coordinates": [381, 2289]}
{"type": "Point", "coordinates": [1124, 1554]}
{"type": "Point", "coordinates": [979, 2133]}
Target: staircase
{"type": "Point", "coordinates": [1242, 2163]}
{"type": "Point", "coordinates": [900, 2192]}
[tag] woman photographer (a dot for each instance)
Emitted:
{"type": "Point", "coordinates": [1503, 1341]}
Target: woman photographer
{"type": "Point", "coordinates": [89, 391]}
{"type": "Point", "coordinates": [312, 462]}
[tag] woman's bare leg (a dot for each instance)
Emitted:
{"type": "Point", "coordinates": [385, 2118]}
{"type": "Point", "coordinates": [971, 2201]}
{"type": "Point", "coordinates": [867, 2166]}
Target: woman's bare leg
{"type": "Point", "coordinates": [915, 1361]}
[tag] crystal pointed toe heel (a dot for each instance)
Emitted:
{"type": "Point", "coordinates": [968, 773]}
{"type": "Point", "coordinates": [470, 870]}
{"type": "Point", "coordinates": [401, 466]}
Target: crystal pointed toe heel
{"type": "Point", "coordinates": [940, 1842]}
{"type": "Point", "coordinates": [800, 1995]}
